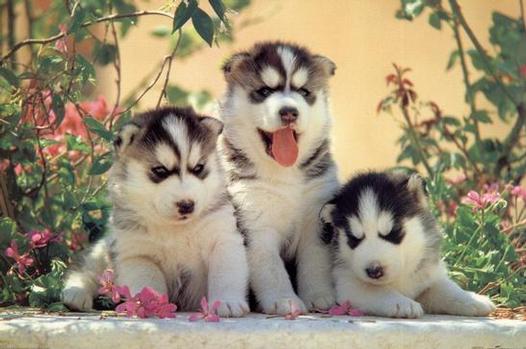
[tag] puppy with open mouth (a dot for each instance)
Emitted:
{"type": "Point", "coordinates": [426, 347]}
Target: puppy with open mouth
{"type": "Point", "coordinates": [280, 169]}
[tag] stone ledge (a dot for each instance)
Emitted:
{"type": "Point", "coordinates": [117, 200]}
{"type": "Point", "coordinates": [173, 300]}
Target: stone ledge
{"type": "Point", "coordinates": [258, 331]}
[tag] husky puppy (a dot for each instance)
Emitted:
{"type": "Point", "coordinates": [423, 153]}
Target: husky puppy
{"type": "Point", "coordinates": [386, 246]}
{"type": "Point", "coordinates": [172, 226]}
{"type": "Point", "coordinates": [280, 169]}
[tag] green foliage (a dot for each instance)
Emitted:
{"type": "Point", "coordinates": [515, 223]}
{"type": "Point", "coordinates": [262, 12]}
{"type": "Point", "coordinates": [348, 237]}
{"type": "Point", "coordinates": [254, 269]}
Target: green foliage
{"type": "Point", "coordinates": [484, 245]}
{"type": "Point", "coordinates": [55, 137]}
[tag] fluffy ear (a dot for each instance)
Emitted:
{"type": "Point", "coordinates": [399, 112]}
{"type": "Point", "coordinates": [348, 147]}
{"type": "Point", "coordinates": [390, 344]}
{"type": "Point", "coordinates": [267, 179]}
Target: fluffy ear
{"type": "Point", "coordinates": [328, 65]}
{"type": "Point", "coordinates": [233, 61]}
{"type": "Point", "coordinates": [326, 212]}
{"type": "Point", "coordinates": [213, 124]}
{"type": "Point", "coordinates": [416, 185]}
{"type": "Point", "coordinates": [125, 137]}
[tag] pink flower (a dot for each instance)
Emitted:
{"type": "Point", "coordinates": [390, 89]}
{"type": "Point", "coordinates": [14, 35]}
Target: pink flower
{"type": "Point", "coordinates": [294, 312]}
{"type": "Point", "coordinates": [108, 287]}
{"type": "Point", "coordinates": [207, 313]}
{"type": "Point", "coordinates": [519, 192]}
{"type": "Point", "coordinates": [22, 261]}
{"type": "Point", "coordinates": [461, 178]}
{"type": "Point", "coordinates": [479, 201]}
{"type": "Point", "coordinates": [145, 304]}
{"type": "Point", "coordinates": [345, 309]}
{"type": "Point", "coordinates": [39, 239]}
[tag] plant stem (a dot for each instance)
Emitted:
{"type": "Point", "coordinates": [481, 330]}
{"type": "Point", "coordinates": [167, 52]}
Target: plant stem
{"type": "Point", "coordinates": [485, 59]}
{"type": "Point", "coordinates": [19, 45]}
{"type": "Point", "coordinates": [416, 141]}
{"type": "Point", "coordinates": [170, 60]}
{"type": "Point", "coordinates": [469, 95]}
{"type": "Point", "coordinates": [11, 19]}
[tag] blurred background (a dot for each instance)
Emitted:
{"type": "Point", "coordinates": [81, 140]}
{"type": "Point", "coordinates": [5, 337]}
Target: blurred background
{"type": "Point", "coordinates": [363, 38]}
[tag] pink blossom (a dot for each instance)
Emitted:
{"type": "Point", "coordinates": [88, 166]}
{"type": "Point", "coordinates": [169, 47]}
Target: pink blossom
{"type": "Point", "coordinates": [108, 287]}
{"type": "Point", "coordinates": [345, 309]}
{"type": "Point", "coordinates": [519, 192]}
{"type": "Point", "coordinates": [22, 261]}
{"type": "Point", "coordinates": [207, 313]}
{"type": "Point", "coordinates": [461, 178]}
{"type": "Point", "coordinates": [39, 239]}
{"type": "Point", "coordinates": [479, 201]}
{"type": "Point", "coordinates": [145, 304]}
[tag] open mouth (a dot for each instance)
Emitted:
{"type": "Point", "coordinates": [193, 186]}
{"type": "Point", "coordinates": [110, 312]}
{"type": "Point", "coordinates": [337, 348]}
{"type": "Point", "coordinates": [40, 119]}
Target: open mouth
{"type": "Point", "coordinates": [281, 145]}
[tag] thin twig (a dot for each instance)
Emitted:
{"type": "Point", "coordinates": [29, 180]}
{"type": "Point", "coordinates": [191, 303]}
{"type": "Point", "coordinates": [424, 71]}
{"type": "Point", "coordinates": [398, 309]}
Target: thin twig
{"type": "Point", "coordinates": [50, 39]}
{"type": "Point", "coordinates": [170, 60]}
{"type": "Point", "coordinates": [117, 65]}
{"type": "Point", "coordinates": [465, 73]}
{"type": "Point", "coordinates": [485, 59]}
{"type": "Point", "coordinates": [11, 19]}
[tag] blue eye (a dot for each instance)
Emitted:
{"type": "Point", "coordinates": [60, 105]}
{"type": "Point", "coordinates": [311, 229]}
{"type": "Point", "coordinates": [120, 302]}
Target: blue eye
{"type": "Point", "coordinates": [264, 91]}
{"type": "Point", "coordinates": [198, 169]}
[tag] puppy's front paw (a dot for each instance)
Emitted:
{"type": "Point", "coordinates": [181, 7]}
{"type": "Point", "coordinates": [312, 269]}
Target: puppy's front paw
{"type": "Point", "coordinates": [283, 305]}
{"type": "Point", "coordinates": [472, 305]}
{"type": "Point", "coordinates": [233, 308]}
{"type": "Point", "coordinates": [77, 298]}
{"type": "Point", "coordinates": [401, 307]}
{"type": "Point", "coordinates": [319, 301]}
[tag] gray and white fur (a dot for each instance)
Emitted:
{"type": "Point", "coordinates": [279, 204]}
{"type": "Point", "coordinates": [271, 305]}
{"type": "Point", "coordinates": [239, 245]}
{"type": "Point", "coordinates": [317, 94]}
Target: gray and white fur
{"type": "Point", "coordinates": [172, 227]}
{"type": "Point", "coordinates": [280, 169]}
{"type": "Point", "coordinates": [386, 250]}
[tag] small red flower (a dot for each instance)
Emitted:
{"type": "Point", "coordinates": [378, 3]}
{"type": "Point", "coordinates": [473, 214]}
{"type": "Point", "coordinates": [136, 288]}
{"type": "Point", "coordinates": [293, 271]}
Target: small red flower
{"type": "Point", "coordinates": [108, 287]}
{"type": "Point", "coordinates": [207, 313]}
{"type": "Point", "coordinates": [345, 309]}
{"type": "Point", "coordinates": [39, 239]}
{"type": "Point", "coordinates": [22, 261]}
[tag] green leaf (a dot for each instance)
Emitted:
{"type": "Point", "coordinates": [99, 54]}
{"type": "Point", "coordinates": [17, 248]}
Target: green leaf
{"type": "Point", "coordinates": [204, 26]}
{"type": "Point", "coordinates": [452, 59]}
{"type": "Point", "coordinates": [183, 13]}
{"type": "Point", "coordinates": [219, 9]}
{"type": "Point", "coordinates": [104, 54]}
{"type": "Point", "coordinates": [9, 76]}
{"type": "Point", "coordinates": [57, 105]}
{"type": "Point", "coordinates": [482, 116]}
{"type": "Point", "coordinates": [98, 128]}
{"type": "Point", "coordinates": [161, 31]}
{"type": "Point", "coordinates": [101, 164]}
{"type": "Point", "coordinates": [176, 95]}
{"type": "Point", "coordinates": [434, 20]}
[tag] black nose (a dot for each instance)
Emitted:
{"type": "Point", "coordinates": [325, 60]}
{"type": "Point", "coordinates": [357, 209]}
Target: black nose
{"type": "Point", "coordinates": [288, 115]}
{"type": "Point", "coordinates": [185, 206]}
{"type": "Point", "coordinates": [375, 271]}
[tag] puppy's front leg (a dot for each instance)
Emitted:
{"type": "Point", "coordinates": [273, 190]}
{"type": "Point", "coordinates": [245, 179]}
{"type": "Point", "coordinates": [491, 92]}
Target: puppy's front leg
{"type": "Point", "coordinates": [315, 285]}
{"type": "Point", "coordinates": [446, 297]}
{"type": "Point", "coordinates": [268, 276]}
{"type": "Point", "coordinates": [228, 277]}
{"type": "Point", "coordinates": [137, 272]}
{"type": "Point", "coordinates": [375, 300]}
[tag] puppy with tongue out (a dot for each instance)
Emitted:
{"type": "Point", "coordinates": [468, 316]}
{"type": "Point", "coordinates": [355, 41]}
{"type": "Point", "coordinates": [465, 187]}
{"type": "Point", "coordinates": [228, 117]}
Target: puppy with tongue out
{"type": "Point", "coordinates": [280, 170]}
{"type": "Point", "coordinates": [284, 147]}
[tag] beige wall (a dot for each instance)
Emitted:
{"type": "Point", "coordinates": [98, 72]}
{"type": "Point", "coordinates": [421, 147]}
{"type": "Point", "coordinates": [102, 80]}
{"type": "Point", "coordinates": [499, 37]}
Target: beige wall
{"type": "Point", "coordinates": [362, 37]}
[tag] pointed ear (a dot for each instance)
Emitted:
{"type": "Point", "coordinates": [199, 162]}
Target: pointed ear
{"type": "Point", "coordinates": [327, 65]}
{"type": "Point", "coordinates": [233, 61]}
{"type": "Point", "coordinates": [326, 212]}
{"type": "Point", "coordinates": [213, 124]}
{"type": "Point", "coordinates": [416, 185]}
{"type": "Point", "coordinates": [125, 137]}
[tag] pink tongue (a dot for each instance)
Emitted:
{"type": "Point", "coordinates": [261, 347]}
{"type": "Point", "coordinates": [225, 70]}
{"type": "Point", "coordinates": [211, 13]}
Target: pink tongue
{"type": "Point", "coordinates": [284, 147]}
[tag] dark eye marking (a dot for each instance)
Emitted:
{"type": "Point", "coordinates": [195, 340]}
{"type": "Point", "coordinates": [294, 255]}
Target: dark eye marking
{"type": "Point", "coordinates": [395, 236]}
{"type": "Point", "coordinates": [304, 92]}
{"type": "Point", "coordinates": [352, 240]}
{"type": "Point", "coordinates": [197, 169]}
{"type": "Point", "coordinates": [264, 92]}
{"type": "Point", "coordinates": [160, 173]}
